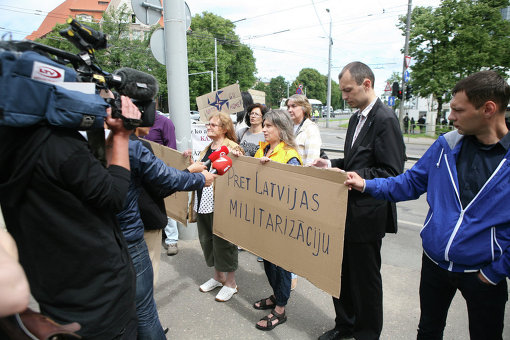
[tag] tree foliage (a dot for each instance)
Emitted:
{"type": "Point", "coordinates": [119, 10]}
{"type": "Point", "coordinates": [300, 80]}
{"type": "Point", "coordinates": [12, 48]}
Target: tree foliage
{"type": "Point", "coordinates": [456, 39]}
{"type": "Point", "coordinates": [236, 63]}
{"type": "Point", "coordinates": [235, 60]}
{"type": "Point", "coordinates": [314, 84]}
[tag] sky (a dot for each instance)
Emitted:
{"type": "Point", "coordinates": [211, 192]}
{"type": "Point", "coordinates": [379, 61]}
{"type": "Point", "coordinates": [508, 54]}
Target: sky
{"type": "Point", "coordinates": [285, 35]}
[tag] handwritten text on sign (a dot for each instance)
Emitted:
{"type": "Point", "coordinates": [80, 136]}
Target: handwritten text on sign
{"type": "Point", "coordinates": [292, 216]}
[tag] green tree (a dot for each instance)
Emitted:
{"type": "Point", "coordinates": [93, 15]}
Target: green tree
{"type": "Point", "coordinates": [236, 63]}
{"type": "Point", "coordinates": [336, 95]}
{"type": "Point", "coordinates": [314, 82]}
{"type": "Point", "coordinates": [277, 90]}
{"type": "Point", "coordinates": [456, 39]}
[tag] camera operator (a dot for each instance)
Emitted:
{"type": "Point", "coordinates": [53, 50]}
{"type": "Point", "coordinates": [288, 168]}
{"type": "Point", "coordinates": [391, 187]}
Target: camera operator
{"type": "Point", "coordinates": [59, 204]}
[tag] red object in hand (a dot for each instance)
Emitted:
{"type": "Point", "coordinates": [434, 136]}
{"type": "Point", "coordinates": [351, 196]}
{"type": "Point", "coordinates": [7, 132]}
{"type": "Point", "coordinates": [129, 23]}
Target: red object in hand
{"type": "Point", "coordinates": [215, 155]}
{"type": "Point", "coordinates": [221, 165]}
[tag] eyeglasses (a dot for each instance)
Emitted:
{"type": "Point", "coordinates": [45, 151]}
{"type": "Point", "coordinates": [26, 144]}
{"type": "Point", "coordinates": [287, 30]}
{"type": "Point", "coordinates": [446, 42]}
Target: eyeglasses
{"type": "Point", "coordinates": [212, 125]}
{"type": "Point", "coordinates": [256, 114]}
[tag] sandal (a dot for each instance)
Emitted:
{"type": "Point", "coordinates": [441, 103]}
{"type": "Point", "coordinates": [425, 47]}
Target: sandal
{"type": "Point", "coordinates": [281, 318]}
{"type": "Point", "coordinates": [263, 305]}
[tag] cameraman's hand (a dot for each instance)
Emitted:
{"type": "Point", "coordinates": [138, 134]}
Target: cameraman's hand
{"type": "Point", "coordinates": [129, 110]}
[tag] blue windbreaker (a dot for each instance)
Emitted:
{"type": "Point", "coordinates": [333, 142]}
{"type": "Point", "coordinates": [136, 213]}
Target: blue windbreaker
{"type": "Point", "coordinates": [145, 167]}
{"type": "Point", "coordinates": [476, 237]}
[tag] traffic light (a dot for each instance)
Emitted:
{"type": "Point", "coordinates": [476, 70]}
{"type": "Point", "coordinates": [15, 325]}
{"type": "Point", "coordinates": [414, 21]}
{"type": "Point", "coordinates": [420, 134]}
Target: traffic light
{"type": "Point", "coordinates": [409, 92]}
{"type": "Point", "coordinates": [395, 88]}
{"type": "Point", "coordinates": [399, 94]}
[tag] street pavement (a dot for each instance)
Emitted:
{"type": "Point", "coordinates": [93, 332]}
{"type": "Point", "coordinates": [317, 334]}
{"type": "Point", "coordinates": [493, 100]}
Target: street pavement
{"type": "Point", "coordinates": [191, 314]}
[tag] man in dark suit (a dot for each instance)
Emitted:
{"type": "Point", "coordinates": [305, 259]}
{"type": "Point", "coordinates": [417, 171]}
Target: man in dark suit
{"type": "Point", "coordinates": [374, 147]}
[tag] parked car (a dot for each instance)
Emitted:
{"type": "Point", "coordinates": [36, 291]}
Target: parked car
{"type": "Point", "coordinates": [337, 112]}
{"type": "Point", "coordinates": [194, 115]}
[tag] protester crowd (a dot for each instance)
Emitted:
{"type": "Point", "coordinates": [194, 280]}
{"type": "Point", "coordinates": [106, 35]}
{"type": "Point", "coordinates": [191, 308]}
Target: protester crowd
{"type": "Point", "coordinates": [88, 235]}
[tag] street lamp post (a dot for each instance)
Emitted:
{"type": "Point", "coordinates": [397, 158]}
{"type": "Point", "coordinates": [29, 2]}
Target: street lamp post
{"type": "Point", "coordinates": [328, 100]}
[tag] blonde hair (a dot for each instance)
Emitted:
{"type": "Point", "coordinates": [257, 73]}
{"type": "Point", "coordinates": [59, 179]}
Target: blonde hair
{"type": "Point", "coordinates": [301, 100]}
{"type": "Point", "coordinates": [226, 122]}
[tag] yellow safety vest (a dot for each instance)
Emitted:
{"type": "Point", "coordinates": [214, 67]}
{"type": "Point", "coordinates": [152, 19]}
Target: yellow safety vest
{"type": "Point", "coordinates": [281, 154]}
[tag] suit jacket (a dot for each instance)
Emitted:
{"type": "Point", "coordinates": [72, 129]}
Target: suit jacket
{"type": "Point", "coordinates": [378, 151]}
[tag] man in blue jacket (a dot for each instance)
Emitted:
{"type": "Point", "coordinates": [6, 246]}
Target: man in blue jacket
{"type": "Point", "coordinates": [147, 168]}
{"type": "Point", "coordinates": [466, 235]}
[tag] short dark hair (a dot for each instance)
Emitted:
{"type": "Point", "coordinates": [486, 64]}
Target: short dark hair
{"type": "Point", "coordinates": [262, 108]}
{"type": "Point", "coordinates": [483, 86]}
{"type": "Point", "coordinates": [359, 72]}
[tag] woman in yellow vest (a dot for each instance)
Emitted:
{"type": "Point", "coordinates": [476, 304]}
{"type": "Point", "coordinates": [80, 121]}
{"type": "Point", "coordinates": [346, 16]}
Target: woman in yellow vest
{"type": "Point", "coordinates": [279, 146]}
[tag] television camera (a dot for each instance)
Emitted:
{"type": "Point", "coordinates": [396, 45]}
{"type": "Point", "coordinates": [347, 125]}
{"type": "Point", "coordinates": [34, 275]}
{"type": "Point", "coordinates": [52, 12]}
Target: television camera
{"type": "Point", "coordinates": [139, 86]}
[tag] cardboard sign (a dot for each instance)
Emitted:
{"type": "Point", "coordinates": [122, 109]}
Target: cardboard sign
{"type": "Point", "coordinates": [176, 204]}
{"type": "Point", "coordinates": [292, 216]}
{"type": "Point", "coordinates": [227, 99]}
{"type": "Point", "coordinates": [199, 139]}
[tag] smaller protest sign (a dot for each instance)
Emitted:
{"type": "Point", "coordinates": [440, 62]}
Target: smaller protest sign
{"type": "Point", "coordinates": [227, 100]}
{"type": "Point", "coordinates": [176, 204]}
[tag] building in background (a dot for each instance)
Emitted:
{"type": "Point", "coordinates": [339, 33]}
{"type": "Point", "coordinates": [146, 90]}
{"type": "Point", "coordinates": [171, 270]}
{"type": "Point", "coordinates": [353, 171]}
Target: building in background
{"type": "Point", "coordinates": [87, 11]}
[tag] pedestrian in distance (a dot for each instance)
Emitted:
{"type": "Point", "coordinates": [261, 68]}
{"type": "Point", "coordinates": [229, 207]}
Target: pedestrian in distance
{"type": "Point", "coordinates": [374, 147]}
{"type": "Point", "coordinates": [466, 235]}
{"type": "Point", "coordinates": [406, 123]}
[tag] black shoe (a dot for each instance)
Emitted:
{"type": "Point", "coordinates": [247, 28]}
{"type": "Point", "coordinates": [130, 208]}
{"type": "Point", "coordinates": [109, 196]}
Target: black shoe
{"type": "Point", "coordinates": [335, 334]}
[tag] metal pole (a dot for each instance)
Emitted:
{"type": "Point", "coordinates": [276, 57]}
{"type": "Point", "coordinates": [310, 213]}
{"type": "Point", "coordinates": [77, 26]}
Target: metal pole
{"type": "Point", "coordinates": [404, 66]}
{"type": "Point", "coordinates": [176, 57]}
{"type": "Point", "coordinates": [288, 85]}
{"type": "Point", "coordinates": [216, 62]}
{"type": "Point", "coordinates": [328, 98]}
{"type": "Point", "coordinates": [177, 70]}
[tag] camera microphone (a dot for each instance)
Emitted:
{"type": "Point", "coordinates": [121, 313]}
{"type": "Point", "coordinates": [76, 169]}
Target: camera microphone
{"type": "Point", "coordinates": [134, 84]}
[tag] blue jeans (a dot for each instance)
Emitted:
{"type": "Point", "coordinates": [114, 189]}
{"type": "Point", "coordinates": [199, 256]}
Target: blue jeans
{"type": "Point", "coordinates": [279, 279]}
{"type": "Point", "coordinates": [149, 327]}
{"type": "Point", "coordinates": [485, 303]}
{"type": "Point", "coordinates": [171, 232]}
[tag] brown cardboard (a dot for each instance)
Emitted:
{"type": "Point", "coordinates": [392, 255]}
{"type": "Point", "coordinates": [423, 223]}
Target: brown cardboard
{"type": "Point", "coordinates": [227, 99]}
{"type": "Point", "coordinates": [257, 96]}
{"type": "Point", "coordinates": [176, 204]}
{"type": "Point", "coordinates": [292, 216]}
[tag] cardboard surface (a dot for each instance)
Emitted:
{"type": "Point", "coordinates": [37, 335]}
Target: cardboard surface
{"type": "Point", "coordinates": [227, 99]}
{"type": "Point", "coordinates": [257, 96]}
{"type": "Point", "coordinates": [290, 215]}
{"type": "Point", "coordinates": [176, 204]}
{"type": "Point", "coordinates": [199, 139]}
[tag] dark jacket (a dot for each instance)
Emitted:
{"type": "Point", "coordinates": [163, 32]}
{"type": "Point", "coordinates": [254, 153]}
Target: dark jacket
{"type": "Point", "coordinates": [151, 205]}
{"type": "Point", "coordinates": [147, 168]}
{"type": "Point", "coordinates": [378, 151]}
{"type": "Point", "coordinates": [59, 204]}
